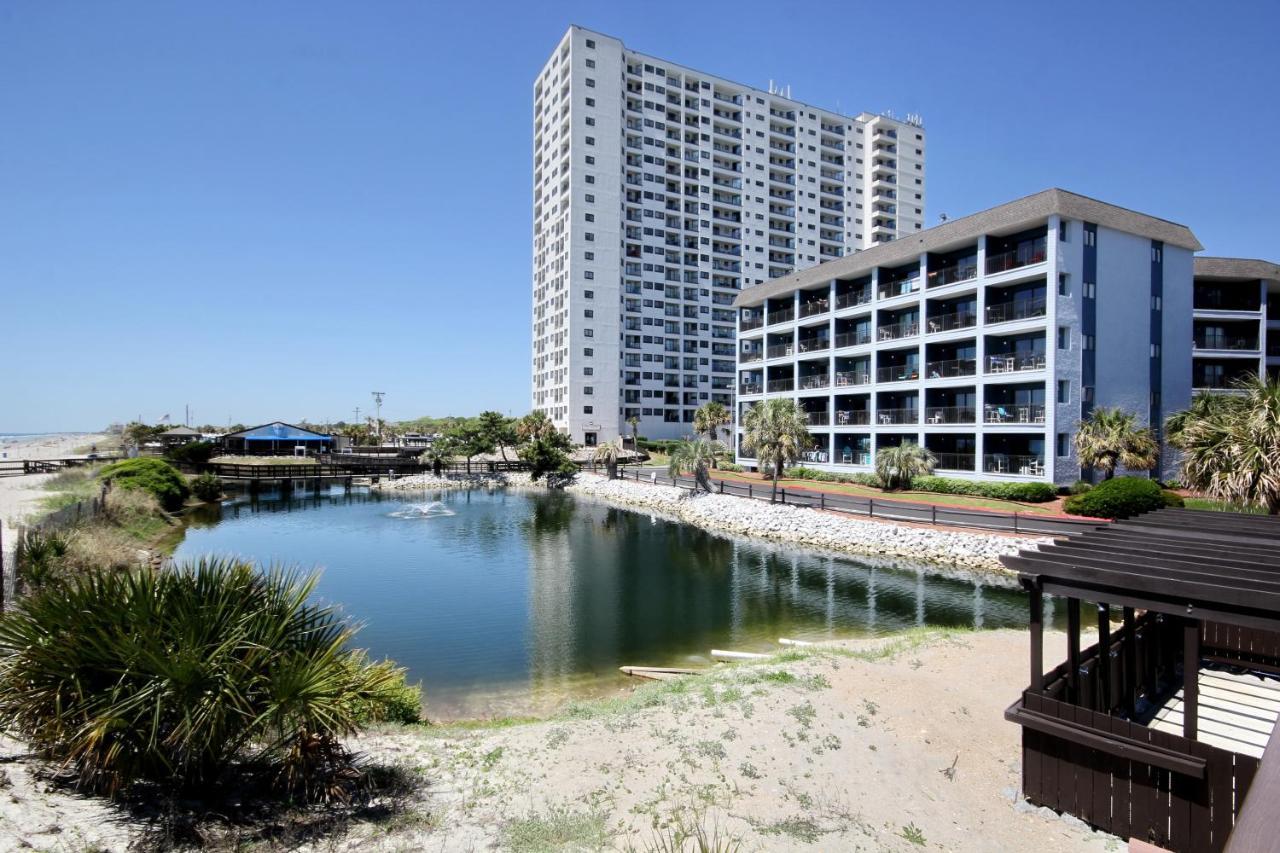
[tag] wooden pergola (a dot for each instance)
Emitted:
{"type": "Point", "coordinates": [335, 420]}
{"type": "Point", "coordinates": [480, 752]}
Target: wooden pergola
{"type": "Point", "coordinates": [1157, 731]}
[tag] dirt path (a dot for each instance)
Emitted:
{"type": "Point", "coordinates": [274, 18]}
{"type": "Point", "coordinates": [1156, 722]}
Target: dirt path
{"type": "Point", "coordinates": [850, 747]}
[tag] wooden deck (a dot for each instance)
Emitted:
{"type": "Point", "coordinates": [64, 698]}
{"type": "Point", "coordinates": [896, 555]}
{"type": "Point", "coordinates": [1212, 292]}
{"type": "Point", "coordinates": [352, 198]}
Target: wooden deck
{"type": "Point", "coordinates": [1238, 712]}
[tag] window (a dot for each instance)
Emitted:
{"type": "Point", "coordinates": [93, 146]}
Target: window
{"type": "Point", "coordinates": [591, 122]}
{"type": "Point", "coordinates": [590, 237]}
{"type": "Point", "coordinates": [590, 256]}
{"type": "Point", "coordinates": [588, 313]}
{"type": "Point", "coordinates": [588, 390]}
{"type": "Point", "coordinates": [1155, 350]}
{"type": "Point", "coordinates": [587, 410]}
{"type": "Point", "coordinates": [1064, 285]}
{"type": "Point", "coordinates": [1087, 342]}
{"type": "Point", "coordinates": [1062, 231]}
{"type": "Point", "coordinates": [1064, 337]}
{"type": "Point", "coordinates": [588, 371]}
{"type": "Point", "coordinates": [591, 84]}
{"type": "Point", "coordinates": [1064, 391]}
{"type": "Point", "coordinates": [591, 43]}
{"type": "Point", "coordinates": [1090, 237]}
{"type": "Point", "coordinates": [1064, 444]}
{"type": "Point", "coordinates": [1156, 254]}
{"type": "Point", "coordinates": [588, 352]}
{"type": "Point", "coordinates": [591, 140]}
{"type": "Point", "coordinates": [590, 217]}
{"type": "Point", "coordinates": [591, 102]}
{"type": "Point", "coordinates": [1157, 303]}
{"type": "Point", "coordinates": [589, 294]}
{"type": "Point", "coordinates": [591, 63]}
{"type": "Point", "coordinates": [588, 333]}
{"type": "Point", "coordinates": [591, 179]}
{"type": "Point", "coordinates": [591, 160]}
{"type": "Point", "coordinates": [1090, 290]}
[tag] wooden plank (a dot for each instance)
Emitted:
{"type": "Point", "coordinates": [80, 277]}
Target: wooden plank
{"type": "Point", "coordinates": [1086, 774]}
{"type": "Point", "coordinates": [1098, 735]}
{"type": "Point", "coordinates": [1144, 795]}
{"type": "Point", "coordinates": [1122, 770]}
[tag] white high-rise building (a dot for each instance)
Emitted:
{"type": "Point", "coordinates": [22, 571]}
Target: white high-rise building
{"type": "Point", "coordinates": [659, 192]}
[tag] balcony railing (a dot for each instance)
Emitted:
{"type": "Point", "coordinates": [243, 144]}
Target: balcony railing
{"type": "Point", "coordinates": [951, 368]}
{"type": "Point", "coordinates": [853, 417]}
{"type": "Point", "coordinates": [951, 321]}
{"type": "Point", "coordinates": [845, 378]}
{"type": "Point", "coordinates": [750, 355]}
{"type": "Point", "coordinates": [1013, 463]}
{"type": "Point", "coordinates": [776, 385]}
{"type": "Point", "coordinates": [853, 457]}
{"type": "Point", "coordinates": [750, 388]}
{"type": "Point", "coordinates": [1012, 363]}
{"type": "Point", "coordinates": [950, 415]}
{"type": "Point", "coordinates": [897, 416]}
{"type": "Point", "coordinates": [1022, 255]}
{"type": "Point", "coordinates": [817, 418]}
{"type": "Point", "coordinates": [889, 290]}
{"type": "Point", "coordinates": [898, 373]}
{"type": "Point", "coordinates": [780, 350]}
{"type": "Point", "coordinates": [853, 298]}
{"type": "Point", "coordinates": [894, 331]}
{"type": "Point", "coordinates": [815, 380]}
{"type": "Point", "coordinates": [853, 339]}
{"type": "Point", "coordinates": [817, 306]}
{"type": "Point", "coordinates": [955, 461]}
{"type": "Point", "coordinates": [1021, 309]}
{"type": "Point", "coordinates": [1224, 342]}
{"type": "Point", "coordinates": [953, 274]}
{"type": "Point", "coordinates": [813, 344]}
{"type": "Point", "coordinates": [785, 315]}
{"type": "Point", "coordinates": [1014, 413]}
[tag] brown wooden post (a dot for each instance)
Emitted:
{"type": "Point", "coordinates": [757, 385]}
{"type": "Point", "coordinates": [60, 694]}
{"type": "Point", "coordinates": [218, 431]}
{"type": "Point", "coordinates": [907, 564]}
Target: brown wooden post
{"type": "Point", "coordinates": [1073, 649]}
{"type": "Point", "coordinates": [1129, 679]}
{"type": "Point", "coordinates": [1035, 598]}
{"type": "Point", "coordinates": [1190, 678]}
{"type": "Point", "coordinates": [1104, 657]}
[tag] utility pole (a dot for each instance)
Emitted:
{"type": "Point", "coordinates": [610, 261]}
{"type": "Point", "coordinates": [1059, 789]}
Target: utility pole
{"type": "Point", "coordinates": [377, 418]}
{"type": "Point", "coordinates": [357, 416]}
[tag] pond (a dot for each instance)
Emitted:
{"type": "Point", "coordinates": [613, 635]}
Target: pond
{"type": "Point", "coordinates": [515, 602]}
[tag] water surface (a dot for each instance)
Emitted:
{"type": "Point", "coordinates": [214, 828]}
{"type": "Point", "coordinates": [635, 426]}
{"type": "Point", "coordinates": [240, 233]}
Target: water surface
{"type": "Point", "coordinates": [511, 602]}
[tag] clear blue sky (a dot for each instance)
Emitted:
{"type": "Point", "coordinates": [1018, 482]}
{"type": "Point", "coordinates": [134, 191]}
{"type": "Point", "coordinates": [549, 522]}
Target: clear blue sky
{"type": "Point", "coordinates": [268, 210]}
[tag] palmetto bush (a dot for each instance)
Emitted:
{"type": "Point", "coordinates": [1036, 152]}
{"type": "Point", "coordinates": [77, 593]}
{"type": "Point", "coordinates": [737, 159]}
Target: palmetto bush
{"type": "Point", "coordinates": [179, 676]}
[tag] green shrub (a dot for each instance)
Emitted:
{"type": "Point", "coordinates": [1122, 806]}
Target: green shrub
{"type": "Point", "coordinates": [1172, 499]}
{"type": "Point", "coordinates": [206, 487]}
{"type": "Point", "coordinates": [1120, 497]}
{"type": "Point", "coordinates": [730, 466]}
{"type": "Point", "coordinates": [41, 558]}
{"type": "Point", "coordinates": [193, 453]}
{"type": "Point", "coordinates": [181, 676]}
{"type": "Point", "coordinates": [1025, 492]}
{"type": "Point", "coordinates": [664, 446]}
{"type": "Point", "coordinates": [151, 475]}
{"type": "Point", "coordinates": [1079, 487]}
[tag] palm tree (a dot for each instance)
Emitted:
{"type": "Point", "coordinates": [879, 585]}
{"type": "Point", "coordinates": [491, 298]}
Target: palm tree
{"type": "Point", "coordinates": [696, 456]}
{"type": "Point", "coordinates": [898, 466]}
{"type": "Point", "coordinates": [1232, 451]}
{"type": "Point", "coordinates": [709, 418]}
{"type": "Point", "coordinates": [1204, 405]}
{"type": "Point", "coordinates": [776, 431]}
{"type": "Point", "coordinates": [534, 425]}
{"type": "Point", "coordinates": [634, 423]}
{"type": "Point", "coordinates": [1112, 436]}
{"type": "Point", "coordinates": [609, 454]}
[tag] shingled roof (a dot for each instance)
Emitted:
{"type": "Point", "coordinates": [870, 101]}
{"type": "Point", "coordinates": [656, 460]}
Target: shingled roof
{"type": "Point", "coordinates": [1245, 268]}
{"type": "Point", "coordinates": [948, 235]}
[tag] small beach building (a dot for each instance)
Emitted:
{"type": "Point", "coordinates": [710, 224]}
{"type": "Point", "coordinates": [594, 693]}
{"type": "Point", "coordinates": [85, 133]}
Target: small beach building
{"type": "Point", "coordinates": [179, 436]}
{"type": "Point", "coordinates": [276, 439]}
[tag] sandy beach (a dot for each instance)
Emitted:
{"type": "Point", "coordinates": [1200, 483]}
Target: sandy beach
{"type": "Point", "coordinates": [845, 748]}
{"type": "Point", "coordinates": [19, 496]}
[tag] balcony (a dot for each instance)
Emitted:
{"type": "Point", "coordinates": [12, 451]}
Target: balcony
{"type": "Point", "coordinates": [898, 373]}
{"type": "Point", "coordinates": [889, 417]}
{"type": "Point", "coordinates": [951, 274]}
{"type": "Point", "coordinates": [817, 306]}
{"type": "Point", "coordinates": [1224, 342]}
{"type": "Point", "coordinates": [845, 378]}
{"type": "Point", "coordinates": [950, 415]}
{"type": "Point", "coordinates": [903, 287]}
{"type": "Point", "coordinates": [852, 417]}
{"type": "Point", "coordinates": [817, 418]}
{"type": "Point", "coordinates": [1014, 363]}
{"type": "Point", "coordinates": [779, 351]}
{"type": "Point", "coordinates": [813, 381]}
{"type": "Point", "coordinates": [955, 461]}
{"type": "Point", "coordinates": [750, 388]}
{"type": "Point", "coordinates": [781, 316]}
{"type": "Point", "coordinates": [1023, 254]}
{"type": "Point", "coordinates": [853, 339]}
{"type": "Point", "coordinates": [1013, 413]}
{"type": "Point", "coordinates": [1008, 463]}
{"type": "Point", "coordinates": [951, 321]}
{"type": "Point", "coordinates": [748, 356]}
{"type": "Point", "coordinates": [776, 386]}
{"type": "Point", "coordinates": [813, 344]}
{"type": "Point", "coordinates": [1020, 309]}
{"type": "Point", "coordinates": [895, 331]}
{"type": "Point", "coordinates": [853, 299]}
{"type": "Point", "coordinates": [951, 368]}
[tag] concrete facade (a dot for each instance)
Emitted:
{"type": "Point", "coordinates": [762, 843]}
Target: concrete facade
{"type": "Point", "coordinates": [659, 193]}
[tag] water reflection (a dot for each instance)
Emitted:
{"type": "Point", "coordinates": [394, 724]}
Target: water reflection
{"type": "Point", "coordinates": [517, 600]}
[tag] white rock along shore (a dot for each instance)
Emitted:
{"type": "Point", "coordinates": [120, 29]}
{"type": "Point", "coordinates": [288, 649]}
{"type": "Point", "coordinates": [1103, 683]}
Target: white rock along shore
{"type": "Point", "coordinates": [974, 551]}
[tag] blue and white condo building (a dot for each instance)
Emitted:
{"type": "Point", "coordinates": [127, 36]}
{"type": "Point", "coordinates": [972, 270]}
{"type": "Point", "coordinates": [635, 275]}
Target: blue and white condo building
{"type": "Point", "coordinates": [985, 339]}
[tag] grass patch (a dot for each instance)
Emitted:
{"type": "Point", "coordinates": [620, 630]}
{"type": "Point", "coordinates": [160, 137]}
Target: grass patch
{"type": "Point", "coordinates": [71, 485]}
{"type": "Point", "coordinates": [1222, 506]}
{"type": "Point", "coordinates": [556, 829]}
